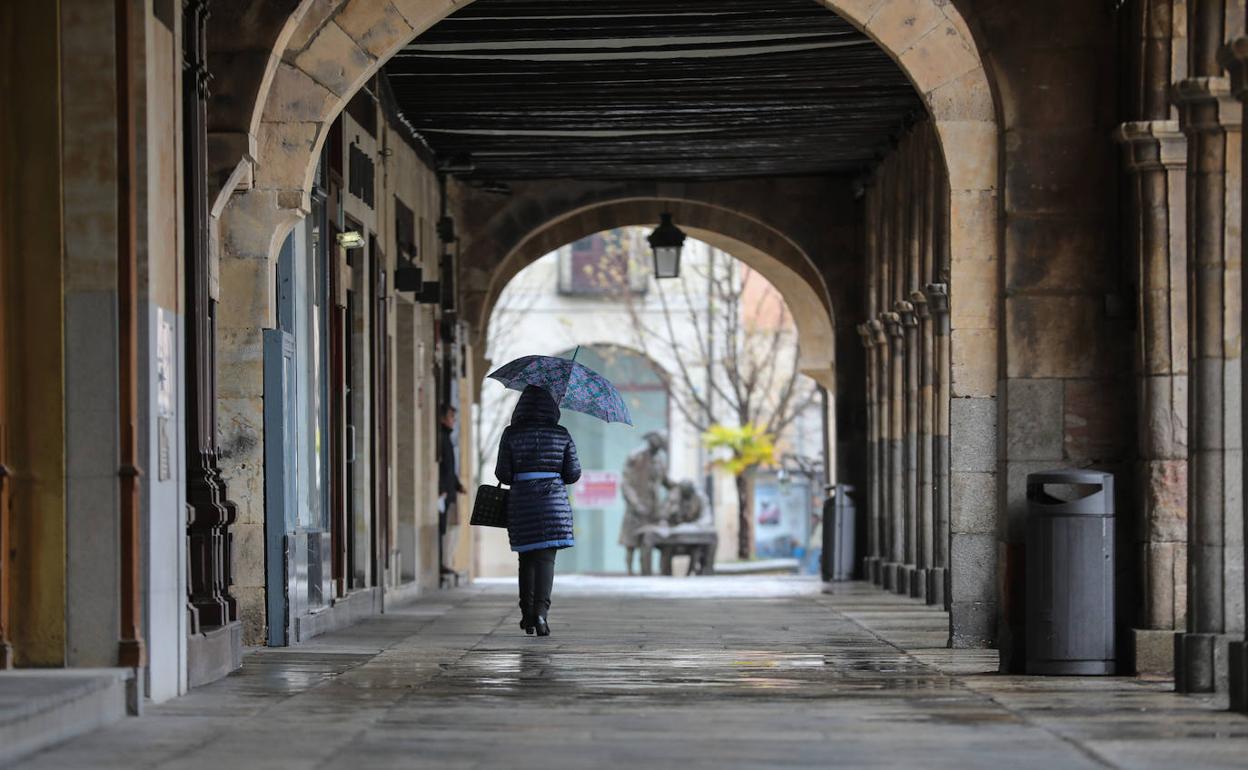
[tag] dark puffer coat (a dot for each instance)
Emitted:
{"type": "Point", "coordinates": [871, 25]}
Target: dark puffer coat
{"type": "Point", "coordinates": [538, 512]}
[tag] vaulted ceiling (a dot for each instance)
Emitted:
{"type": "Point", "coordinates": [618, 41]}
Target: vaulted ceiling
{"type": "Point", "coordinates": [654, 89]}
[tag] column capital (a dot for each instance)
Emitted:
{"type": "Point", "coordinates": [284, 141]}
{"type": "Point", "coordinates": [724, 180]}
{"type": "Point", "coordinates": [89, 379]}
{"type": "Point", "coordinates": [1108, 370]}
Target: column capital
{"type": "Point", "coordinates": [892, 324]}
{"type": "Point", "coordinates": [864, 331]}
{"type": "Point", "coordinates": [919, 300]}
{"type": "Point", "coordinates": [1234, 57]}
{"type": "Point", "coordinates": [1206, 105]}
{"type": "Point", "coordinates": [1153, 145]}
{"type": "Point", "coordinates": [938, 298]}
{"type": "Point", "coordinates": [876, 329]}
{"type": "Point", "coordinates": [906, 311]}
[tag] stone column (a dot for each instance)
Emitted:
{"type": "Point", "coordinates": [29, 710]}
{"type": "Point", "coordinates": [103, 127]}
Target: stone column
{"type": "Point", "coordinates": [938, 576]}
{"type": "Point", "coordinates": [215, 637]}
{"type": "Point", "coordinates": [894, 573]}
{"type": "Point", "coordinates": [926, 522]}
{"type": "Point", "coordinates": [881, 482]}
{"type": "Point", "coordinates": [1157, 159]}
{"type": "Point", "coordinates": [1235, 57]}
{"type": "Point", "coordinates": [910, 443]}
{"type": "Point", "coordinates": [1211, 120]}
{"type": "Point", "coordinates": [873, 504]}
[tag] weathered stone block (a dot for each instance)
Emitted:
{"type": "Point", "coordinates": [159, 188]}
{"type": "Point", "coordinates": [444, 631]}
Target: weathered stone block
{"type": "Point", "coordinates": [286, 153]}
{"type": "Point", "coordinates": [973, 503]}
{"type": "Point", "coordinates": [1096, 421]}
{"type": "Point", "coordinates": [334, 60]}
{"type": "Point", "coordinates": [1054, 255]}
{"type": "Point", "coordinates": [379, 32]}
{"type": "Point", "coordinates": [1046, 171]}
{"type": "Point", "coordinates": [1153, 650]}
{"type": "Point", "coordinates": [1164, 418]}
{"type": "Point", "coordinates": [970, 151]}
{"type": "Point", "coordinates": [422, 14]}
{"type": "Point", "coordinates": [973, 298]}
{"type": "Point", "coordinates": [248, 554]}
{"type": "Point", "coordinates": [313, 19]}
{"type": "Point", "coordinates": [939, 57]}
{"type": "Point", "coordinates": [1033, 419]}
{"type": "Point", "coordinates": [974, 363]}
{"type": "Point", "coordinates": [899, 24]}
{"type": "Point", "coordinates": [1055, 336]}
{"type": "Point", "coordinates": [972, 625]}
{"type": "Point", "coordinates": [295, 96]}
{"type": "Point", "coordinates": [972, 233]}
{"type": "Point", "coordinates": [1165, 500]}
{"type": "Point", "coordinates": [240, 362]}
{"type": "Point", "coordinates": [966, 97]}
{"type": "Point", "coordinates": [973, 443]}
{"type": "Point", "coordinates": [973, 566]}
{"type": "Point", "coordinates": [248, 288]}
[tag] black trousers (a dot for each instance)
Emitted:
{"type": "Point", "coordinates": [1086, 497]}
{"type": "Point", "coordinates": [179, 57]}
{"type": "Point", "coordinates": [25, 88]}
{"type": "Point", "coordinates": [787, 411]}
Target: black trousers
{"type": "Point", "coordinates": [537, 578]}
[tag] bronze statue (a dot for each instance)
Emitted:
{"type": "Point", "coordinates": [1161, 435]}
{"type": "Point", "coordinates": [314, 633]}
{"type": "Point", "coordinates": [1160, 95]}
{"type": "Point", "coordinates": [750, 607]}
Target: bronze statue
{"type": "Point", "coordinates": [645, 478]}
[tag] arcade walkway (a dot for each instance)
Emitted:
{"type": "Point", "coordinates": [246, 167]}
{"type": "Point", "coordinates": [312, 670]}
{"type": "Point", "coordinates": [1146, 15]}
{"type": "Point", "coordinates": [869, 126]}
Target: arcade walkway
{"type": "Point", "coordinates": [652, 673]}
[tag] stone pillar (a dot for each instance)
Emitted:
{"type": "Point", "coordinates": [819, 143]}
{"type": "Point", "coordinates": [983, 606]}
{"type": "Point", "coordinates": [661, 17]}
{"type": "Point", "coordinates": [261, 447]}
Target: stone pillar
{"type": "Point", "coordinates": [215, 638]}
{"type": "Point", "coordinates": [873, 503]}
{"type": "Point", "coordinates": [910, 444]}
{"type": "Point", "coordinates": [895, 568]}
{"type": "Point", "coordinates": [938, 576]}
{"type": "Point", "coordinates": [881, 482]}
{"type": "Point", "coordinates": [1157, 159]}
{"type": "Point", "coordinates": [924, 512]}
{"type": "Point", "coordinates": [1235, 57]}
{"type": "Point", "coordinates": [1211, 120]}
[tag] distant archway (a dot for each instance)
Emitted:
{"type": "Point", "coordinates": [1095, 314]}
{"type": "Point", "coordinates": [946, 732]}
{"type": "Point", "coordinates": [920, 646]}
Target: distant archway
{"type": "Point", "coordinates": [766, 251]}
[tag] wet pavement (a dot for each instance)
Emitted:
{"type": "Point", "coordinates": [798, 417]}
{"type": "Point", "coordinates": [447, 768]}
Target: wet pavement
{"type": "Point", "coordinates": [724, 672]}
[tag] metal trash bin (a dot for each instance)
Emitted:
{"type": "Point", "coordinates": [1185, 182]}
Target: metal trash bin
{"type": "Point", "coordinates": [1070, 573]}
{"type": "Point", "coordinates": [838, 533]}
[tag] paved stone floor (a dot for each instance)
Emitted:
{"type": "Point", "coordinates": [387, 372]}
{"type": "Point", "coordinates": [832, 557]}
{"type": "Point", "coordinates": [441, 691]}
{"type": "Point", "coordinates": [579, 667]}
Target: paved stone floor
{"type": "Point", "coordinates": [725, 672]}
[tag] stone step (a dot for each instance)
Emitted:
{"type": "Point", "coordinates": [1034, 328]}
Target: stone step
{"type": "Point", "coordinates": [42, 707]}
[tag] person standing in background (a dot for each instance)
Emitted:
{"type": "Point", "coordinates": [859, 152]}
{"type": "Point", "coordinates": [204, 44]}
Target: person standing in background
{"type": "Point", "coordinates": [449, 487]}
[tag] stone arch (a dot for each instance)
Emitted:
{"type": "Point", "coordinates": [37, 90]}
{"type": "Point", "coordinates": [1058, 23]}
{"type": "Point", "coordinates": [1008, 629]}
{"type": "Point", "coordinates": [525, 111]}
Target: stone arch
{"type": "Point", "coordinates": [770, 253]}
{"type": "Point", "coordinates": [327, 50]}
{"type": "Point", "coordinates": [336, 45]}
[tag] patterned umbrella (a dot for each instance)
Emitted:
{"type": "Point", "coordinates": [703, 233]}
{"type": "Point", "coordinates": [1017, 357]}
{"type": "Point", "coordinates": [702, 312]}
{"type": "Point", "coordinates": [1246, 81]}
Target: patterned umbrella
{"type": "Point", "coordinates": [574, 386]}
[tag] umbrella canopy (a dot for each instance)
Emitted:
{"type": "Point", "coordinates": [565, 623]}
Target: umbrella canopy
{"type": "Point", "coordinates": [573, 386]}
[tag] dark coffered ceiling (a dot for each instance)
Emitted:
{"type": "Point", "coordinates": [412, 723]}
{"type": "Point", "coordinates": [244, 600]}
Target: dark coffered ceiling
{"type": "Point", "coordinates": [655, 89]}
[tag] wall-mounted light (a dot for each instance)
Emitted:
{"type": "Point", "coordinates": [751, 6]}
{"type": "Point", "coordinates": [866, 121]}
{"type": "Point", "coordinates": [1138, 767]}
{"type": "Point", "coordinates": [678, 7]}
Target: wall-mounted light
{"type": "Point", "coordinates": [351, 239]}
{"type": "Point", "coordinates": [666, 242]}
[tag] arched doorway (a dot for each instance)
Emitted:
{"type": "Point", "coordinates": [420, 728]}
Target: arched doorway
{"type": "Point", "coordinates": [325, 52]}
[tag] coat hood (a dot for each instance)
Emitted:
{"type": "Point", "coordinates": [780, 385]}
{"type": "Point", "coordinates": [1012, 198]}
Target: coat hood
{"type": "Point", "coordinates": [535, 407]}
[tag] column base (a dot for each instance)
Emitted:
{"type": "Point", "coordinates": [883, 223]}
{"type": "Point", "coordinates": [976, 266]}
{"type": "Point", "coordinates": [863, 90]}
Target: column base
{"type": "Point", "coordinates": [871, 569]}
{"type": "Point", "coordinates": [937, 587]}
{"type": "Point", "coordinates": [888, 575]}
{"type": "Point", "coordinates": [901, 584]}
{"type": "Point", "coordinates": [1200, 662]}
{"type": "Point", "coordinates": [918, 583]}
{"type": "Point", "coordinates": [1152, 651]}
{"type": "Point", "coordinates": [1237, 673]}
{"type": "Point", "coordinates": [214, 653]}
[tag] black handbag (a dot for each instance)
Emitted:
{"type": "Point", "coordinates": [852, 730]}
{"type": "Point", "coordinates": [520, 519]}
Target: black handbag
{"type": "Point", "coordinates": [489, 509]}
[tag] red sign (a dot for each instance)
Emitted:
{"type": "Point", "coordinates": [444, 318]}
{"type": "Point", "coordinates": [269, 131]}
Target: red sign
{"type": "Point", "coordinates": [596, 489]}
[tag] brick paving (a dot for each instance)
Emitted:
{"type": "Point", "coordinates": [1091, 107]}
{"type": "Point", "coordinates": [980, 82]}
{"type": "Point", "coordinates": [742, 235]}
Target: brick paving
{"type": "Point", "coordinates": [724, 672]}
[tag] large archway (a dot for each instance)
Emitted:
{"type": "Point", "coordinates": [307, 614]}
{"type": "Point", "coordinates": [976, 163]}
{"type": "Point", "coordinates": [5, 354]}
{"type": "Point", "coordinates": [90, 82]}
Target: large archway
{"type": "Point", "coordinates": [324, 52]}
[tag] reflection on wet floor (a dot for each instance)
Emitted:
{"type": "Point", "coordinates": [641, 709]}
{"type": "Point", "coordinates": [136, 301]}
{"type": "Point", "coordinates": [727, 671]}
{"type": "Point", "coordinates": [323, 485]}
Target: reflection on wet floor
{"type": "Point", "coordinates": [661, 673]}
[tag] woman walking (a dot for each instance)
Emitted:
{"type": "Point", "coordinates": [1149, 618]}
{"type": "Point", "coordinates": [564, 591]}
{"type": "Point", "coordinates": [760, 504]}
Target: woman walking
{"type": "Point", "coordinates": [537, 457]}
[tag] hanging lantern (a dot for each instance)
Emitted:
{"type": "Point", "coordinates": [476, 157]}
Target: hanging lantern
{"type": "Point", "coordinates": [666, 242]}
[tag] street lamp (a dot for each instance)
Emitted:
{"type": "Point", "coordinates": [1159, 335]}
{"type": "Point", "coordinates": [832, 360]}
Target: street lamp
{"type": "Point", "coordinates": [666, 242]}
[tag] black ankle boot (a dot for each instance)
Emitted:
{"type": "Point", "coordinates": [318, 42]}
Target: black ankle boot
{"type": "Point", "coordinates": [528, 621]}
{"type": "Point", "coordinates": [543, 629]}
